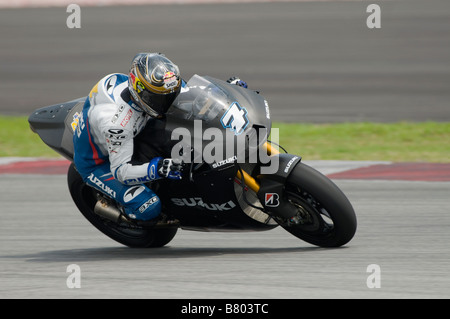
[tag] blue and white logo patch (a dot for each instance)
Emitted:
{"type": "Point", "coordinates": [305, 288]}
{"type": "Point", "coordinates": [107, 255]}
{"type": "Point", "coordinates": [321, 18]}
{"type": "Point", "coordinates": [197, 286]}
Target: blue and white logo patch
{"type": "Point", "coordinates": [110, 84]}
{"type": "Point", "coordinates": [235, 118]}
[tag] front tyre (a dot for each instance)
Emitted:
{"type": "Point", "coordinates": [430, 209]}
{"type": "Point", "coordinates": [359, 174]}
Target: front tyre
{"type": "Point", "coordinates": [325, 216]}
{"type": "Point", "coordinates": [85, 197]}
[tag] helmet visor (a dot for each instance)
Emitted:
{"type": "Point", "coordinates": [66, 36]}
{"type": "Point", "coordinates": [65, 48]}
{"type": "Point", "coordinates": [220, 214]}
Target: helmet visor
{"type": "Point", "coordinates": [159, 103]}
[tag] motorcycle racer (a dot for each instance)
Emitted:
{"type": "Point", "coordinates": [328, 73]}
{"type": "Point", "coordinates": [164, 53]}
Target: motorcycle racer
{"type": "Point", "coordinates": [116, 110]}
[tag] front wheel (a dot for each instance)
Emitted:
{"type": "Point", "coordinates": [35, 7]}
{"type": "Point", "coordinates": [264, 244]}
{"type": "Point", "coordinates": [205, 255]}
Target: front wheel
{"type": "Point", "coordinates": [324, 216]}
{"type": "Point", "coordinates": [85, 197]}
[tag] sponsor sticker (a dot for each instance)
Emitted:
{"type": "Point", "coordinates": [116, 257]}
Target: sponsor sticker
{"type": "Point", "coordinates": [235, 118]}
{"type": "Point", "coordinates": [127, 118]}
{"type": "Point", "coordinates": [198, 202]}
{"type": "Point", "coordinates": [272, 200]}
{"type": "Point", "coordinates": [75, 120]}
{"type": "Point", "coordinates": [288, 165]}
{"type": "Point", "coordinates": [132, 193]}
{"type": "Point", "coordinates": [170, 80]}
{"type": "Point", "coordinates": [148, 203]}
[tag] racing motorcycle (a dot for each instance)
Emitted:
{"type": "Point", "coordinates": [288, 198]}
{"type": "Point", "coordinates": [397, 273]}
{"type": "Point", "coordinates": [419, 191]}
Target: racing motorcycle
{"type": "Point", "coordinates": [240, 180]}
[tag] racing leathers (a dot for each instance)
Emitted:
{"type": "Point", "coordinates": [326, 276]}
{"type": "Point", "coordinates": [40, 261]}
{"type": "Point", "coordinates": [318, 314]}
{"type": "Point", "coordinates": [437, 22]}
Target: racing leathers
{"type": "Point", "coordinates": [104, 144]}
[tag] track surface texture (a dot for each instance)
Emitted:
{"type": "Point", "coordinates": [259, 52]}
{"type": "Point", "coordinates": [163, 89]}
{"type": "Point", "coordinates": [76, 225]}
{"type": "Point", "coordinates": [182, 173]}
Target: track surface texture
{"type": "Point", "coordinates": [402, 228]}
{"type": "Point", "coordinates": [313, 61]}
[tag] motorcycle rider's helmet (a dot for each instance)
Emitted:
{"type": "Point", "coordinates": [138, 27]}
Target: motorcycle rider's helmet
{"type": "Point", "coordinates": [154, 82]}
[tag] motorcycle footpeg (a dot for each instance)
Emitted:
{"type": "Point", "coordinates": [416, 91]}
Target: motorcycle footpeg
{"type": "Point", "coordinates": [165, 221]}
{"type": "Point", "coordinates": [145, 224]}
{"type": "Point", "coordinates": [159, 222]}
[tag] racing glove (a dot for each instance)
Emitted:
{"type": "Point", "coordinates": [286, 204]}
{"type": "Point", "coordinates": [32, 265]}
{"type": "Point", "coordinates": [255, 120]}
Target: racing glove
{"type": "Point", "coordinates": [237, 81]}
{"type": "Point", "coordinates": [170, 168]}
{"type": "Point", "coordinates": [165, 168]}
{"type": "Point", "coordinates": [160, 167]}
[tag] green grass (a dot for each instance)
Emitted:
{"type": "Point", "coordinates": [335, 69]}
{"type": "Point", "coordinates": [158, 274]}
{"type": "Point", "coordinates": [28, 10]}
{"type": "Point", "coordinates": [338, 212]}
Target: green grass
{"type": "Point", "coordinates": [404, 141]}
{"type": "Point", "coordinates": [17, 139]}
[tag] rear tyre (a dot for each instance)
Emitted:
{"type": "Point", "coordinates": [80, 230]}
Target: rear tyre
{"type": "Point", "coordinates": [85, 198]}
{"type": "Point", "coordinates": [325, 217]}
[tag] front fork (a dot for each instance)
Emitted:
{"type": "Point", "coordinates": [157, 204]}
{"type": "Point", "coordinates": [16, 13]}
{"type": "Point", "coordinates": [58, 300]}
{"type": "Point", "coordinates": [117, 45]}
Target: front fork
{"type": "Point", "coordinates": [270, 187]}
{"type": "Point", "coordinates": [249, 180]}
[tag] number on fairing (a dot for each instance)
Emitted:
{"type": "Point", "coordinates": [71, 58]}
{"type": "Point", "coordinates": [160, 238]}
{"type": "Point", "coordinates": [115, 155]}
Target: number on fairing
{"type": "Point", "coordinates": [235, 118]}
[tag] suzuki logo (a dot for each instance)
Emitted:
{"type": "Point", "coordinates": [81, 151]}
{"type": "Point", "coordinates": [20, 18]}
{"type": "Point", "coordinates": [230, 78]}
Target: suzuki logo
{"type": "Point", "coordinates": [198, 202]}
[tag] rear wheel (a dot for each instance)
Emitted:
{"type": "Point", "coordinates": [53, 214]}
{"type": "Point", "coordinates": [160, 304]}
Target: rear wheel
{"type": "Point", "coordinates": [85, 197]}
{"type": "Point", "coordinates": [324, 216]}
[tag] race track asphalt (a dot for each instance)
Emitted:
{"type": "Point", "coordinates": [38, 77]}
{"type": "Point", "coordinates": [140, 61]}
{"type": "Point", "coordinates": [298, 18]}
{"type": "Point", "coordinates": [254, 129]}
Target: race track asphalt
{"type": "Point", "coordinates": [402, 228]}
{"type": "Point", "coordinates": [313, 61]}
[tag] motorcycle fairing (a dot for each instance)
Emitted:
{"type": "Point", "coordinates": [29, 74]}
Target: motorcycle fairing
{"type": "Point", "coordinates": [272, 186]}
{"type": "Point", "coordinates": [216, 104]}
{"type": "Point", "coordinates": [55, 125]}
{"type": "Point", "coordinates": [208, 202]}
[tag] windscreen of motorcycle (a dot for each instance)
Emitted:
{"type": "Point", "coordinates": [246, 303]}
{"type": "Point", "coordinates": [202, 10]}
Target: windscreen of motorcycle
{"type": "Point", "coordinates": [236, 111]}
{"type": "Point", "coordinates": [221, 104]}
{"type": "Point", "coordinates": [200, 100]}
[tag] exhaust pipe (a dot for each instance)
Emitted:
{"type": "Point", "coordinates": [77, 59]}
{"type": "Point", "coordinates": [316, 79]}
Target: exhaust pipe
{"type": "Point", "coordinates": [105, 209]}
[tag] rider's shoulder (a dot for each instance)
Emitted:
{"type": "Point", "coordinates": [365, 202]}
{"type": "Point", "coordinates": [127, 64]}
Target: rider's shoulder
{"type": "Point", "coordinates": [109, 88]}
{"type": "Point", "coordinates": [109, 82]}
